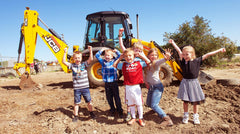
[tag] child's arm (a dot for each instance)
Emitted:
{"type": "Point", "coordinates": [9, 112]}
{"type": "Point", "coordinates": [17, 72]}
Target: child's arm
{"type": "Point", "coordinates": [143, 57]}
{"type": "Point", "coordinates": [120, 39]}
{"type": "Point", "coordinates": [176, 47]}
{"type": "Point", "coordinates": [90, 59]}
{"type": "Point", "coordinates": [98, 55]}
{"type": "Point", "coordinates": [213, 53]}
{"type": "Point", "coordinates": [117, 61]}
{"type": "Point", "coordinates": [64, 61]}
{"type": "Point", "coordinates": [117, 52]}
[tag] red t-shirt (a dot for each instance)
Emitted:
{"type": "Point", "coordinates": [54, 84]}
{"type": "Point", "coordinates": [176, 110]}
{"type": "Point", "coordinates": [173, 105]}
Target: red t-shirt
{"type": "Point", "coordinates": [132, 73]}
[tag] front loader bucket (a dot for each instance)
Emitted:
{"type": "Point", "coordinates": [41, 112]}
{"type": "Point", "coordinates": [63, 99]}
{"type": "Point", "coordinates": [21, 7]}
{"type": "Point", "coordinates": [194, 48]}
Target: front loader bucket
{"type": "Point", "coordinates": [27, 82]}
{"type": "Point", "coordinates": [205, 78]}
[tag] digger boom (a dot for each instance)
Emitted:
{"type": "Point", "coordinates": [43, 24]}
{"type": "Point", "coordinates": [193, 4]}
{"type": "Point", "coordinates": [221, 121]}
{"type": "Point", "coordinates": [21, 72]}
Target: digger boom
{"type": "Point", "coordinates": [29, 31]}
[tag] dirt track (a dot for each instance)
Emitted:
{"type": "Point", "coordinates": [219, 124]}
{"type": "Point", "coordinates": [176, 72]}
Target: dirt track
{"type": "Point", "coordinates": [49, 110]}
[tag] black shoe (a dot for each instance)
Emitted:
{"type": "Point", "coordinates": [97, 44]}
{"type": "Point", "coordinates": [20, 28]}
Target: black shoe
{"type": "Point", "coordinates": [92, 115]}
{"type": "Point", "coordinates": [112, 113]}
{"type": "Point", "coordinates": [75, 119]}
{"type": "Point", "coordinates": [120, 114]}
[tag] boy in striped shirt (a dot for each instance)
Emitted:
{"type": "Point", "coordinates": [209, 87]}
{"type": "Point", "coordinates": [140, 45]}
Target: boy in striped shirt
{"type": "Point", "coordinates": [80, 80]}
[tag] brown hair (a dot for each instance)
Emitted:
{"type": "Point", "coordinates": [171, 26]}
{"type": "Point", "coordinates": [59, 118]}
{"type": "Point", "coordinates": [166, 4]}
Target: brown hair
{"type": "Point", "coordinates": [191, 50]}
{"type": "Point", "coordinates": [77, 52]}
{"type": "Point", "coordinates": [151, 51]}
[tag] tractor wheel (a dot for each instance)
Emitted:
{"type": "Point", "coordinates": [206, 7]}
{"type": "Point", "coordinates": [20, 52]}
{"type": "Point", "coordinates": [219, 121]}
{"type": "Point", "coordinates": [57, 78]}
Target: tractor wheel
{"type": "Point", "coordinates": [95, 74]}
{"type": "Point", "coordinates": [165, 74]}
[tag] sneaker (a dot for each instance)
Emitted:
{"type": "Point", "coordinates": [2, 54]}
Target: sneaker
{"type": "Point", "coordinates": [185, 118]}
{"type": "Point", "coordinates": [128, 118]}
{"type": "Point", "coordinates": [75, 119]}
{"type": "Point", "coordinates": [196, 119]}
{"type": "Point", "coordinates": [141, 122]}
{"type": "Point", "coordinates": [131, 121]}
{"type": "Point", "coordinates": [166, 121]}
{"type": "Point", "coordinates": [93, 116]}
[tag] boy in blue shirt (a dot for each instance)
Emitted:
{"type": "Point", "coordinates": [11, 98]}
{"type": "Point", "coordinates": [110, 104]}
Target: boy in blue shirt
{"type": "Point", "coordinates": [109, 74]}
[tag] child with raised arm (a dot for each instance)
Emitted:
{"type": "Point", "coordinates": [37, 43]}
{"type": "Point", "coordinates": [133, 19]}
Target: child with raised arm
{"type": "Point", "coordinates": [109, 74]}
{"type": "Point", "coordinates": [190, 89]}
{"type": "Point", "coordinates": [80, 80]}
{"type": "Point", "coordinates": [154, 85]}
{"type": "Point", "coordinates": [137, 48]}
{"type": "Point", "coordinates": [133, 77]}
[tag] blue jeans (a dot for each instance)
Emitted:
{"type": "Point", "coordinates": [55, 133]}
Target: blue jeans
{"type": "Point", "coordinates": [82, 92]}
{"type": "Point", "coordinates": [153, 98]}
{"type": "Point", "coordinates": [112, 92]}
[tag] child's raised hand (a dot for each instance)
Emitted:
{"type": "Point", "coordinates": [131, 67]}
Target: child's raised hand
{"type": "Point", "coordinates": [222, 50]}
{"type": "Point", "coordinates": [90, 48]}
{"type": "Point", "coordinates": [121, 56]}
{"type": "Point", "coordinates": [171, 41]}
{"type": "Point", "coordinates": [167, 54]}
{"type": "Point", "coordinates": [121, 31]}
{"type": "Point", "coordinates": [65, 50]}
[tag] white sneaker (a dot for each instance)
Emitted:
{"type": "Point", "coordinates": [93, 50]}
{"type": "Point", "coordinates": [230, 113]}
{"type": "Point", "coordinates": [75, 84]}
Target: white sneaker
{"type": "Point", "coordinates": [185, 118]}
{"type": "Point", "coordinates": [196, 119]}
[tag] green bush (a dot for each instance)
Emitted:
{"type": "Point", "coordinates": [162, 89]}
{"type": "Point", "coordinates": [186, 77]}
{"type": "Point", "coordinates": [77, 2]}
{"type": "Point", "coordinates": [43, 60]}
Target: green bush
{"type": "Point", "coordinates": [198, 34]}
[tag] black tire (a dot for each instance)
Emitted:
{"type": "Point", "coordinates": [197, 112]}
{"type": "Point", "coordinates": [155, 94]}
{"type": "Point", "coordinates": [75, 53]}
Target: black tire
{"type": "Point", "coordinates": [95, 74]}
{"type": "Point", "coordinates": [165, 74]}
{"type": "Point", "coordinates": [10, 74]}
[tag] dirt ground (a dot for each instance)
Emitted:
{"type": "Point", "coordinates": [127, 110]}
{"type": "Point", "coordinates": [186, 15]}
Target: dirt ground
{"type": "Point", "coordinates": [49, 110]}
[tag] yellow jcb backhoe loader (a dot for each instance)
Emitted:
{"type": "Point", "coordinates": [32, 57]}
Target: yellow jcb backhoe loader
{"type": "Point", "coordinates": [29, 31]}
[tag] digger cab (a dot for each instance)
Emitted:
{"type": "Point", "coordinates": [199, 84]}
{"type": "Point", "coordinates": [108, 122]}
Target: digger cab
{"type": "Point", "coordinates": [103, 27]}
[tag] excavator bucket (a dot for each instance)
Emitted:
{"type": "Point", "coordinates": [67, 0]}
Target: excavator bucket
{"type": "Point", "coordinates": [205, 78]}
{"type": "Point", "coordinates": [27, 82]}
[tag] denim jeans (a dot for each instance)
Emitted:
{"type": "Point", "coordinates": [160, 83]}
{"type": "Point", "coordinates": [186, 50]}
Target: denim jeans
{"type": "Point", "coordinates": [112, 92]}
{"type": "Point", "coordinates": [153, 98]}
{"type": "Point", "coordinates": [82, 92]}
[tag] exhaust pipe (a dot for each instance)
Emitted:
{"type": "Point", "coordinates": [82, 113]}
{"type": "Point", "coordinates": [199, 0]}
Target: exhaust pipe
{"type": "Point", "coordinates": [137, 27]}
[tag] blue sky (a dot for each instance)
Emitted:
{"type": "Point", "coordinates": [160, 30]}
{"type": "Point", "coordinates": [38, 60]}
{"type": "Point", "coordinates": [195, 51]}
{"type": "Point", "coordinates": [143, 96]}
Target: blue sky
{"type": "Point", "coordinates": [155, 18]}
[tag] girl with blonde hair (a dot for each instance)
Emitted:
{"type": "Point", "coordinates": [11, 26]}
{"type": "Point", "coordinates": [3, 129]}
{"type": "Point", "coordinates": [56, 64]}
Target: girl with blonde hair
{"type": "Point", "coordinates": [190, 90]}
{"type": "Point", "coordinates": [154, 85]}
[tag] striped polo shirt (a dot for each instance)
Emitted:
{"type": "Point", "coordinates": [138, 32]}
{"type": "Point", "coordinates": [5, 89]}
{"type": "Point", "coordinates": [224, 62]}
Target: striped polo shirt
{"type": "Point", "coordinates": [79, 75]}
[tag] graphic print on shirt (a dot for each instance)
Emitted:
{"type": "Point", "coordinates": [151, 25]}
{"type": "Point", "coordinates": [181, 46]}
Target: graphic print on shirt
{"type": "Point", "coordinates": [131, 67]}
{"type": "Point", "coordinates": [78, 71]}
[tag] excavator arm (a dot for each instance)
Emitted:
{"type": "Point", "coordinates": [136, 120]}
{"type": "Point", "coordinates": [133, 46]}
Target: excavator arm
{"type": "Point", "coordinates": [29, 31]}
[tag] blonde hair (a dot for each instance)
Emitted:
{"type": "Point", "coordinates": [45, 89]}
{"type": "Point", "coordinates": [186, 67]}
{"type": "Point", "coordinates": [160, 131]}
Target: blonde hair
{"type": "Point", "coordinates": [109, 50]}
{"type": "Point", "coordinates": [128, 50]}
{"type": "Point", "coordinates": [191, 50]}
{"type": "Point", "coordinates": [138, 45]}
